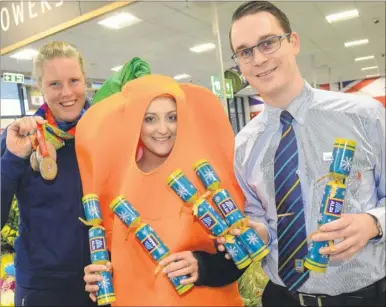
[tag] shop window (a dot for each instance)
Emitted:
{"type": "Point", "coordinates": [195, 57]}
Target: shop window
{"type": "Point", "coordinates": [10, 102]}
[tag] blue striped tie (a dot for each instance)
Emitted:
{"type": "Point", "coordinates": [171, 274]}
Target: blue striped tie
{"type": "Point", "coordinates": [291, 231]}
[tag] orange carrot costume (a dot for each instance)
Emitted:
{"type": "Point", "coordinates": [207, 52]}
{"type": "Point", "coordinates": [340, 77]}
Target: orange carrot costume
{"type": "Point", "coordinates": [107, 139]}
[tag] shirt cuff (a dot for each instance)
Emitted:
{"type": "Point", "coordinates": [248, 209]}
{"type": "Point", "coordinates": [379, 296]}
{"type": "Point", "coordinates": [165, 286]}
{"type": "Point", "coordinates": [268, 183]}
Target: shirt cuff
{"type": "Point", "coordinates": [269, 235]}
{"type": "Point", "coordinates": [12, 166]}
{"type": "Point", "coordinates": [379, 214]}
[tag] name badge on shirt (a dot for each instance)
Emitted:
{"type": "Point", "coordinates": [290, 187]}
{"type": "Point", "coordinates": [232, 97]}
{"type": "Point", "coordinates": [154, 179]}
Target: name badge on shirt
{"type": "Point", "coordinates": [327, 156]}
{"type": "Point", "coordinates": [299, 265]}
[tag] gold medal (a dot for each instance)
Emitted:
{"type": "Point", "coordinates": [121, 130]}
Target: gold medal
{"type": "Point", "coordinates": [48, 168]}
{"type": "Point", "coordinates": [51, 152]}
{"type": "Point", "coordinates": [34, 162]}
{"type": "Point", "coordinates": [45, 156]}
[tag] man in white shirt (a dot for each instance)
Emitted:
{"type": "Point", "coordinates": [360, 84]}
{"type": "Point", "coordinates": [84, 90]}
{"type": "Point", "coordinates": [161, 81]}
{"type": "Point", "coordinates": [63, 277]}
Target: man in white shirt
{"type": "Point", "coordinates": [281, 154]}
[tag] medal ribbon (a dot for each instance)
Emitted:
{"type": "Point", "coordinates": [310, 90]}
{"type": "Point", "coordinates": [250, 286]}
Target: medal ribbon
{"type": "Point", "coordinates": [52, 132]}
{"type": "Point", "coordinates": [41, 140]}
{"type": "Point", "coordinates": [55, 135]}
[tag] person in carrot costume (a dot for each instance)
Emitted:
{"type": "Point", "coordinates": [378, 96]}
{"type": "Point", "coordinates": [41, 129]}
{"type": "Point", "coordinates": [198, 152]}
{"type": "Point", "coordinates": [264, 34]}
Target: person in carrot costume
{"type": "Point", "coordinates": [128, 144]}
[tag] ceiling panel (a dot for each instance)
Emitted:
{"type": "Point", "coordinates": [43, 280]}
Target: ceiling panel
{"type": "Point", "coordinates": [170, 28]}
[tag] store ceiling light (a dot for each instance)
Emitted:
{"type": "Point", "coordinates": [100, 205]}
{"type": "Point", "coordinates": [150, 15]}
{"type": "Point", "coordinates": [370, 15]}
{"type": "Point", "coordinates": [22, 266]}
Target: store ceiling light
{"type": "Point", "coordinates": [182, 76]}
{"type": "Point", "coordinates": [369, 68]}
{"type": "Point", "coordinates": [372, 76]}
{"type": "Point", "coordinates": [26, 54]}
{"type": "Point", "coordinates": [346, 15]}
{"type": "Point", "coordinates": [203, 47]}
{"type": "Point", "coordinates": [117, 68]}
{"type": "Point", "coordinates": [119, 21]}
{"type": "Point", "coordinates": [356, 43]}
{"type": "Point", "coordinates": [364, 58]}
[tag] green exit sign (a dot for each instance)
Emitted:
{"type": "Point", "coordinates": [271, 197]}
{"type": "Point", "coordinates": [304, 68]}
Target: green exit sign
{"type": "Point", "coordinates": [216, 87]}
{"type": "Point", "coordinates": [13, 78]}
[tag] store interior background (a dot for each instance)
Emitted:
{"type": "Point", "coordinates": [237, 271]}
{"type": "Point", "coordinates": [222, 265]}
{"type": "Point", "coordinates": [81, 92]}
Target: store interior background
{"type": "Point", "coordinates": [165, 32]}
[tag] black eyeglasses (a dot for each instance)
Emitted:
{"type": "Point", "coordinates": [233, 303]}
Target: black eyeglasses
{"type": "Point", "coordinates": [266, 46]}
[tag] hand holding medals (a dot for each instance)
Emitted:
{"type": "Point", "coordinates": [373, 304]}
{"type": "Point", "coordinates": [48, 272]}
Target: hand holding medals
{"type": "Point", "coordinates": [43, 157]}
{"type": "Point", "coordinates": [27, 134]}
{"type": "Point", "coordinates": [17, 135]}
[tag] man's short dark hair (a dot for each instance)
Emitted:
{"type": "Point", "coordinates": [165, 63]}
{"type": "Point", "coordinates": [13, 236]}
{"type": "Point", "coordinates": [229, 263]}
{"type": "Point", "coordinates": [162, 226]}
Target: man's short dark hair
{"type": "Point", "coordinates": [253, 7]}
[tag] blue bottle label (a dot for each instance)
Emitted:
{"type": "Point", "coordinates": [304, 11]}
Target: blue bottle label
{"type": "Point", "coordinates": [227, 207]}
{"type": "Point", "coordinates": [151, 243]}
{"type": "Point", "coordinates": [208, 220]}
{"type": "Point", "coordinates": [334, 207]}
{"type": "Point", "coordinates": [97, 244]}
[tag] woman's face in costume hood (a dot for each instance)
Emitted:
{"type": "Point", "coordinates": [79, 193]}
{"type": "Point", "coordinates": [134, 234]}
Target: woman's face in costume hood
{"type": "Point", "coordinates": [159, 127]}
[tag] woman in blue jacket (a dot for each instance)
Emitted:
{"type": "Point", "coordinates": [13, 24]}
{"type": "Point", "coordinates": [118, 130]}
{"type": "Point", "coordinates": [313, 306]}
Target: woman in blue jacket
{"type": "Point", "coordinates": [52, 248]}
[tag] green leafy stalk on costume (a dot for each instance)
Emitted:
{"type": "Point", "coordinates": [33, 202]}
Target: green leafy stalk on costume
{"type": "Point", "coordinates": [133, 69]}
{"type": "Point", "coordinates": [252, 284]}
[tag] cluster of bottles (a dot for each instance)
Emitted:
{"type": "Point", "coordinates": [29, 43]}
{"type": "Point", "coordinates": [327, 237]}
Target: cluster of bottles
{"type": "Point", "coordinates": [243, 249]}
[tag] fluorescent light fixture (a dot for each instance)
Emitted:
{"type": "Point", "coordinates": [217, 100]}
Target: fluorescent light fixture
{"type": "Point", "coordinates": [369, 68]}
{"type": "Point", "coordinates": [203, 47]}
{"type": "Point", "coordinates": [356, 43]}
{"type": "Point", "coordinates": [119, 21]}
{"type": "Point", "coordinates": [342, 16]}
{"type": "Point", "coordinates": [364, 58]}
{"type": "Point", "coordinates": [26, 54]}
{"type": "Point", "coordinates": [372, 76]}
{"type": "Point", "coordinates": [182, 76]}
{"type": "Point", "coordinates": [117, 68]}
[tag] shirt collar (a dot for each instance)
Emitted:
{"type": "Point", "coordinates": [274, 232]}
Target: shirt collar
{"type": "Point", "coordinates": [300, 104]}
{"type": "Point", "coordinates": [297, 108]}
